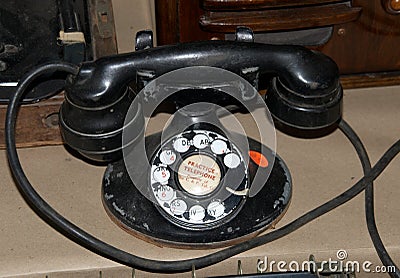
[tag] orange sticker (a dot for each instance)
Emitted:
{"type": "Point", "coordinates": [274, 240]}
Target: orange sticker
{"type": "Point", "coordinates": [258, 158]}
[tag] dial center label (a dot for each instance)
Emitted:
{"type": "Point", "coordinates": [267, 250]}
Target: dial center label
{"type": "Point", "coordinates": [199, 174]}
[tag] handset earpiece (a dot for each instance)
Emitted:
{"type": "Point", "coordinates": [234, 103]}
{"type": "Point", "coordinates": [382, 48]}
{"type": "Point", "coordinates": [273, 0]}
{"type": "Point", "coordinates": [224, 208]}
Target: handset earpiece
{"type": "Point", "coordinates": [307, 107]}
{"type": "Point", "coordinates": [96, 132]}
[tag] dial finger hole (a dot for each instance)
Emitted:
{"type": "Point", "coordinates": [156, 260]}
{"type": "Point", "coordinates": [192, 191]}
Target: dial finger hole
{"type": "Point", "coordinates": [219, 146]}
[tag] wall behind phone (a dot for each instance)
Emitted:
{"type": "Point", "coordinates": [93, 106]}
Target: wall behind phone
{"type": "Point", "coordinates": [130, 17]}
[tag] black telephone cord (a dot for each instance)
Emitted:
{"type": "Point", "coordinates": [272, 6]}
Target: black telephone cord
{"type": "Point", "coordinates": [369, 199]}
{"type": "Point", "coordinates": [74, 233]}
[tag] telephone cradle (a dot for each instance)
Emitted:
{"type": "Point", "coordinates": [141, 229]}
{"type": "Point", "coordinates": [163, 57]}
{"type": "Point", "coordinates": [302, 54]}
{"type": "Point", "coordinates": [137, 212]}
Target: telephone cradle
{"type": "Point", "coordinates": [198, 188]}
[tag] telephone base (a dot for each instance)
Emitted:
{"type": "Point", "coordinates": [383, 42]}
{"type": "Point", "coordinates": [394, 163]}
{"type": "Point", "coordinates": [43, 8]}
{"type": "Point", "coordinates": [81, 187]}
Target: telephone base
{"type": "Point", "coordinates": [137, 215]}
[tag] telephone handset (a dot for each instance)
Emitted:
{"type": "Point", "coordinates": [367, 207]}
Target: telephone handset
{"type": "Point", "coordinates": [193, 187]}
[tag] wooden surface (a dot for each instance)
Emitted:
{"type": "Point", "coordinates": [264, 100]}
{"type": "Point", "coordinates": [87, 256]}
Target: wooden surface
{"type": "Point", "coordinates": [370, 80]}
{"type": "Point", "coordinates": [102, 28]}
{"type": "Point", "coordinates": [363, 46]}
{"type": "Point", "coordinates": [279, 19]}
{"type": "Point", "coordinates": [167, 13]}
{"type": "Point", "coordinates": [257, 4]}
{"type": "Point", "coordinates": [37, 124]}
{"type": "Point", "coordinates": [369, 44]}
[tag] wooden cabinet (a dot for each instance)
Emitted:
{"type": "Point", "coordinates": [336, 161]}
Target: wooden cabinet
{"type": "Point", "coordinates": [362, 36]}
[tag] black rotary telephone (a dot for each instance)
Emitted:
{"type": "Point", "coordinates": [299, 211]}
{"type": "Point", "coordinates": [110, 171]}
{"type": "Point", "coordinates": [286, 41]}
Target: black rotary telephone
{"type": "Point", "coordinates": [200, 182]}
{"type": "Point", "coordinates": [204, 185]}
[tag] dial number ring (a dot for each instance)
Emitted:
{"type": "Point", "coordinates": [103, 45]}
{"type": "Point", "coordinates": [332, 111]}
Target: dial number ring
{"type": "Point", "coordinates": [200, 164]}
